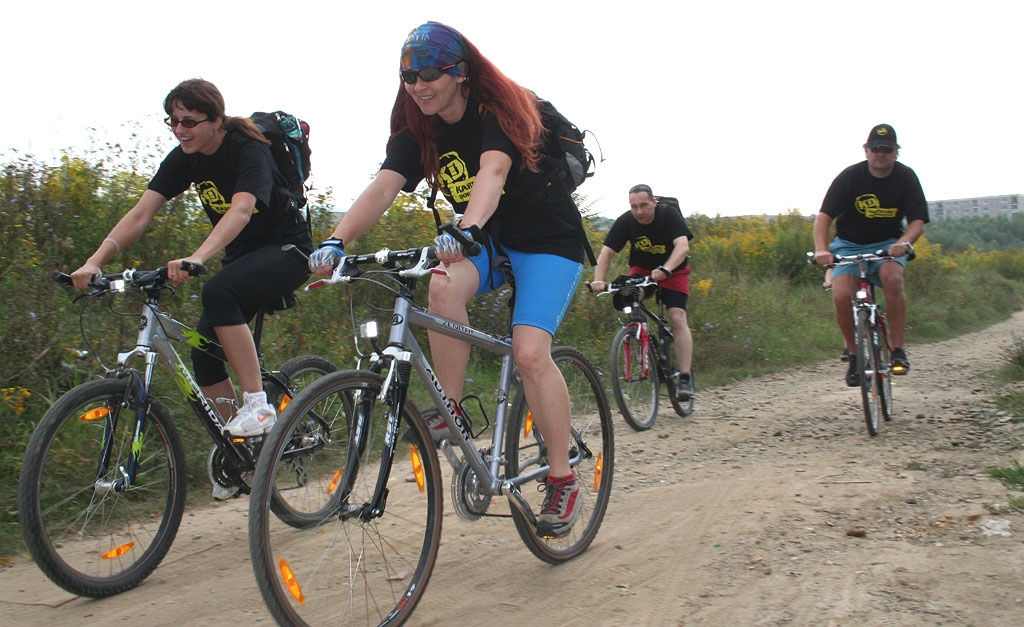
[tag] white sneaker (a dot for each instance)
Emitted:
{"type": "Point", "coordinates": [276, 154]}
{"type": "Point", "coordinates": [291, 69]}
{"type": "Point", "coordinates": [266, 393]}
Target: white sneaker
{"type": "Point", "coordinates": [256, 417]}
{"type": "Point", "coordinates": [221, 493]}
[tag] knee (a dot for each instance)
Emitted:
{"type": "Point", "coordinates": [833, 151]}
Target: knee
{"type": "Point", "coordinates": [444, 295]}
{"type": "Point", "coordinates": [530, 357]}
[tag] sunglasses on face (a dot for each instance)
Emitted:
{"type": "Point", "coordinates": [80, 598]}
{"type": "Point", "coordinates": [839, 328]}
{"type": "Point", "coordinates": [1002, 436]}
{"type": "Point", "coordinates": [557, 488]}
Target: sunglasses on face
{"type": "Point", "coordinates": [882, 149]}
{"type": "Point", "coordinates": [427, 74]}
{"type": "Point", "coordinates": [173, 121]}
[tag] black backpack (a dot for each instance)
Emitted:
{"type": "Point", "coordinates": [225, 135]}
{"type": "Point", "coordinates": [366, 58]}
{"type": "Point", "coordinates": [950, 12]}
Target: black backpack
{"type": "Point", "coordinates": [563, 143]}
{"type": "Point", "coordinates": [289, 145]}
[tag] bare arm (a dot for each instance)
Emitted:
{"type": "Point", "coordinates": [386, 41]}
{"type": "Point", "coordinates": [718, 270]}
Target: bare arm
{"type": "Point", "coordinates": [822, 223]}
{"type": "Point", "coordinates": [604, 261]}
{"type": "Point", "coordinates": [129, 228]}
{"type": "Point", "coordinates": [370, 206]}
{"type": "Point", "coordinates": [227, 229]}
{"type": "Point", "coordinates": [490, 180]}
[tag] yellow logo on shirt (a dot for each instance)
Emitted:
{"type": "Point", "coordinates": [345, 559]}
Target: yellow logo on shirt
{"type": "Point", "coordinates": [869, 205]}
{"type": "Point", "coordinates": [644, 244]}
{"type": "Point", "coordinates": [455, 177]}
{"type": "Point", "coordinates": [212, 199]}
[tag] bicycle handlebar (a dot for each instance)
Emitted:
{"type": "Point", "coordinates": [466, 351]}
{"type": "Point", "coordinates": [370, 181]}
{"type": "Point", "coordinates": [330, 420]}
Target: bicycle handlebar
{"type": "Point", "coordinates": [628, 283]}
{"type": "Point", "coordinates": [140, 278]}
{"type": "Point", "coordinates": [418, 262]}
{"type": "Point", "coordinates": [844, 260]}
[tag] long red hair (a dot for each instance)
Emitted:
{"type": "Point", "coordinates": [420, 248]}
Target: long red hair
{"type": "Point", "coordinates": [514, 106]}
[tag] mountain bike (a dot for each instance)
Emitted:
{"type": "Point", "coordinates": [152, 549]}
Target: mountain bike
{"type": "Point", "coordinates": [641, 360]}
{"type": "Point", "coordinates": [103, 483]}
{"type": "Point", "coordinates": [369, 559]}
{"type": "Point", "coordinates": [871, 340]}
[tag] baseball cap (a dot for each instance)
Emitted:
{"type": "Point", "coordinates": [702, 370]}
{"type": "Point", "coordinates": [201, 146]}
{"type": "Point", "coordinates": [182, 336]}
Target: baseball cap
{"type": "Point", "coordinates": [882, 135]}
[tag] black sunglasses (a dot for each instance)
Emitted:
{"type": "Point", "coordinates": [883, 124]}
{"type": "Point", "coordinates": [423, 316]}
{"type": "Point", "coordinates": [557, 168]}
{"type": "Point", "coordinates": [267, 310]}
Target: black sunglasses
{"type": "Point", "coordinates": [427, 74]}
{"type": "Point", "coordinates": [173, 121]}
{"type": "Point", "coordinates": [884, 149]}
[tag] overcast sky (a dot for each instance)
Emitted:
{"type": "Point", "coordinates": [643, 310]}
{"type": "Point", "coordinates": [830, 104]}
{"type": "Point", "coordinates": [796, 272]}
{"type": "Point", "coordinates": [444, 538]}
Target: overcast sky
{"type": "Point", "coordinates": [736, 108]}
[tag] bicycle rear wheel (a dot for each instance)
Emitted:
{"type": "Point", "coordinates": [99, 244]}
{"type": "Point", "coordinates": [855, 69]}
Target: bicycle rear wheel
{"type": "Point", "coordinates": [526, 450]}
{"type": "Point", "coordinates": [88, 536]}
{"type": "Point", "coordinates": [867, 362]}
{"type": "Point", "coordinates": [353, 566]}
{"type": "Point", "coordinates": [634, 378]}
{"type": "Point", "coordinates": [300, 485]}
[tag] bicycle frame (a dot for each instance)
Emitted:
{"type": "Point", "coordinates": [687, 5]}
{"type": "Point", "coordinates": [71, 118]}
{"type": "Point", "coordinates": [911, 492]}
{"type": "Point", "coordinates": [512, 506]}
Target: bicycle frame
{"type": "Point", "coordinates": [156, 332]}
{"type": "Point", "coordinates": [404, 353]}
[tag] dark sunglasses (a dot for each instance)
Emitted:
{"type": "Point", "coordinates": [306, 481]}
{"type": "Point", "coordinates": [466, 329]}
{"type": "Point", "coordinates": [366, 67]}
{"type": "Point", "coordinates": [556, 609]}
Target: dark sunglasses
{"type": "Point", "coordinates": [427, 74]}
{"type": "Point", "coordinates": [173, 121]}
{"type": "Point", "coordinates": [884, 149]}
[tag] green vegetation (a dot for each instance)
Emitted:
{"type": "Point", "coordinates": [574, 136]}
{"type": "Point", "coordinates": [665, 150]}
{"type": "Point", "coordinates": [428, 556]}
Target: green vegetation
{"type": "Point", "coordinates": [756, 306]}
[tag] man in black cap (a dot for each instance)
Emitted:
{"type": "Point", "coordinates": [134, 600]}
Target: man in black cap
{"type": "Point", "coordinates": [877, 204]}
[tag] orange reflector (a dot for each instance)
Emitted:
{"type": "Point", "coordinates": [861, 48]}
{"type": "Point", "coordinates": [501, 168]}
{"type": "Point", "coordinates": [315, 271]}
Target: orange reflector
{"type": "Point", "coordinates": [284, 403]}
{"type": "Point", "coordinates": [417, 466]}
{"type": "Point", "coordinates": [598, 467]}
{"type": "Point", "coordinates": [288, 577]}
{"type": "Point", "coordinates": [528, 424]}
{"type": "Point", "coordinates": [335, 480]}
{"type": "Point", "coordinates": [95, 414]}
{"type": "Point", "coordinates": [118, 551]}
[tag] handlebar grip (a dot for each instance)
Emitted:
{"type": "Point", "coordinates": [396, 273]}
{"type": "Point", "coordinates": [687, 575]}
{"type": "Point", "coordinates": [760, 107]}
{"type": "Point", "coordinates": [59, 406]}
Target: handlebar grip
{"type": "Point", "coordinates": [62, 278]}
{"type": "Point", "coordinates": [193, 269]}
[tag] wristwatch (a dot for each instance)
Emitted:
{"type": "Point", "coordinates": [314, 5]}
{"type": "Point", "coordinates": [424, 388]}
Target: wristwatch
{"type": "Point", "coordinates": [910, 247]}
{"type": "Point", "coordinates": [667, 272]}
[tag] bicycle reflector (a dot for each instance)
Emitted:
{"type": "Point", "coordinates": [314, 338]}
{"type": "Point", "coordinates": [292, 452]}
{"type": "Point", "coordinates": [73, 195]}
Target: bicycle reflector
{"type": "Point", "coordinates": [335, 480]}
{"type": "Point", "coordinates": [898, 369]}
{"type": "Point", "coordinates": [598, 468]}
{"type": "Point", "coordinates": [118, 551]}
{"type": "Point", "coordinates": [417, 466]}
{"type": "Point", "coordinates": [528, 424]}
{"type": "Point", "coordinates": [290, 582]}
{"type": "Point", "coordinates": [99, 413]}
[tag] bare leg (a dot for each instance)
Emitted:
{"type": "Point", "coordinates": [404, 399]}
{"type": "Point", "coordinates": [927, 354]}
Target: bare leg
{"type": "Point", "coordinates": [448, 297]}
{"type": "Point", "coordinates": [682, 338]}
{"type": "Point", "coordinates": [891, 274]}
{"type": "Point", "coordinates": [842, 298]}
{"type": "Point", "coordinates": [240, 351]}
{"type": "Point", "coordinates": [546, 393]}
{"type": "Point", "coordinates": [224, 389]}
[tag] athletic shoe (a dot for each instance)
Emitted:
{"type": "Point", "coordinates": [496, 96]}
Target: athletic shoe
{"type": "Point", "coordinates": [853, 373]}
{"type": "Point", "coordinates": [900, 364]}
{"type": "Point", "coordinates": [221, 493]}
{"type": "Point", "coordinates": [256, 417]}
{"type": "Point", "coordinates": [560, 511]}
{"type": "Point", "coordinates": [684, 387]}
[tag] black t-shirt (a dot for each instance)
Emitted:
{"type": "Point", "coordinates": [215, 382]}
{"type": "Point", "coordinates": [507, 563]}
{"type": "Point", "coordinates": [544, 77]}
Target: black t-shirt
{"type": "Point", "coordinates": [868, 209]}
{"type": "Point", "coordinates": [241, 164]}
{"type": "Point", "coordinates": [534, 214]}
{"type": "Point", "coordinates": [649, 244]}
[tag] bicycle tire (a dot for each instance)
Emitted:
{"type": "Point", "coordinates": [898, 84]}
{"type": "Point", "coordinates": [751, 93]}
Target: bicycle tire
{"type": "Point", "coordinates": [525, 448]}
{"type": "Point", "coordinates": [347, 569]}
{"type": "Point", "coordinates": [634, 383]}
{"type": "Point", "coordinates": [98, 542]}
{"type": "Point", "coordinates": [885, 378]}
{"type": "Point", "coordinates": [293, 500]}
{"type": "Point", "coordinates": [867, 362]}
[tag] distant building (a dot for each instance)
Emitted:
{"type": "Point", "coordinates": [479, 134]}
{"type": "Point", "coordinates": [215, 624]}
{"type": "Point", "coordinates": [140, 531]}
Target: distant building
{"type": "Point", "coordinates": [984, 207]}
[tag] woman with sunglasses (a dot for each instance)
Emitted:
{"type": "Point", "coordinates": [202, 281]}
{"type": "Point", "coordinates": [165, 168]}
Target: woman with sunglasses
{"type": "Point", "coordinates": [463, 126]}
{"type": "Point", "coordinates": [229, 162]}
{"type": "Point", "coordinates": [877, 204]}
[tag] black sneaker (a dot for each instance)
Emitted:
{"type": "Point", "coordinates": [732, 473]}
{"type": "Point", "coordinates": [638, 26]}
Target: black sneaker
{"type": "Point", "coordinates": [900, 364]}
{"type": "Point", "coordinates": [560, 511]}
{"type": "Point", "coordinates": [853, 373]}
{"type": "Point", "coordinates": [684, 387]}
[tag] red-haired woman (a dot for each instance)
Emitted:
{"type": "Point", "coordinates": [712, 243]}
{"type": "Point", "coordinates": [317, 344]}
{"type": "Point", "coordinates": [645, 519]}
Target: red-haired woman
{"type": "Point", "coordinates": [229, 162]}
{"type": "Point", "coordinates": [461, 124]}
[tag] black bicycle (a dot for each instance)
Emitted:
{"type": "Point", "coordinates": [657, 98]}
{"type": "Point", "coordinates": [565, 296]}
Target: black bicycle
{"type": "Point", "coordinates": [103, 484]}
{"type": "Point", "coordinates": [641, 360]}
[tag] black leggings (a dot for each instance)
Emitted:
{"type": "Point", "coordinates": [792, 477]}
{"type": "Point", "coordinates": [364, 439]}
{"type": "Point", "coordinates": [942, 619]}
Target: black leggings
{"type": "Point", "coordinates": [232, 296]}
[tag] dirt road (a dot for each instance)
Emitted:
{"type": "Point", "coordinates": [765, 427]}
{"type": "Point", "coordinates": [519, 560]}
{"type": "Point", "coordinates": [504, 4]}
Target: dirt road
{"type": "Point", "coordinates": [769, 506]}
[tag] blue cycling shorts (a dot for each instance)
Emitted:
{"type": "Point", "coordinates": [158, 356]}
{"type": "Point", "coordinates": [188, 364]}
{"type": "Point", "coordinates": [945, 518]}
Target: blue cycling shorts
{"type": "Point", "coordinates": [844, 248]}
{"type": "Point", "coordinates": [545, 285]}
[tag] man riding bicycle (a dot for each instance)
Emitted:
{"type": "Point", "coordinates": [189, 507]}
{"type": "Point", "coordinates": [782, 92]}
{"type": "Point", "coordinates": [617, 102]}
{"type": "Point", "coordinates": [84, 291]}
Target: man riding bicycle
{"type": "Point", "coordinates": [869, 202]}
{"type": "Point", "coordinates": [659, 245]}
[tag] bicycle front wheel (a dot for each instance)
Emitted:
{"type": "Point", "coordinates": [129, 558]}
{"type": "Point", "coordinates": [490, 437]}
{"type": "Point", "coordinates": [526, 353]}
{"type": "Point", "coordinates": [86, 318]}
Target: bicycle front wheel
{"type": "Point", "coordinates": [294, 500]}
{"type": "Point", "coordinates": [634, 378]}
{"type": "Point", "coordinates": [353, 566]}
{"type": "Point", "coordinates": [592, 440]}
{"type": "Point", "coordinates": [867, 362]}
{"type": "Point", "coordinates": [87, 532]}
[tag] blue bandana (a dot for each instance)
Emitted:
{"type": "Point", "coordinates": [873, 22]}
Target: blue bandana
{"type": "Point", "coordinates": [434, 45]}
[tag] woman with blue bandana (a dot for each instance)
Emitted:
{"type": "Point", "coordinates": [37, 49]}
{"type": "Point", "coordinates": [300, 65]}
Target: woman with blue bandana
{"type": "Point", "coordinates": [463, 126]}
